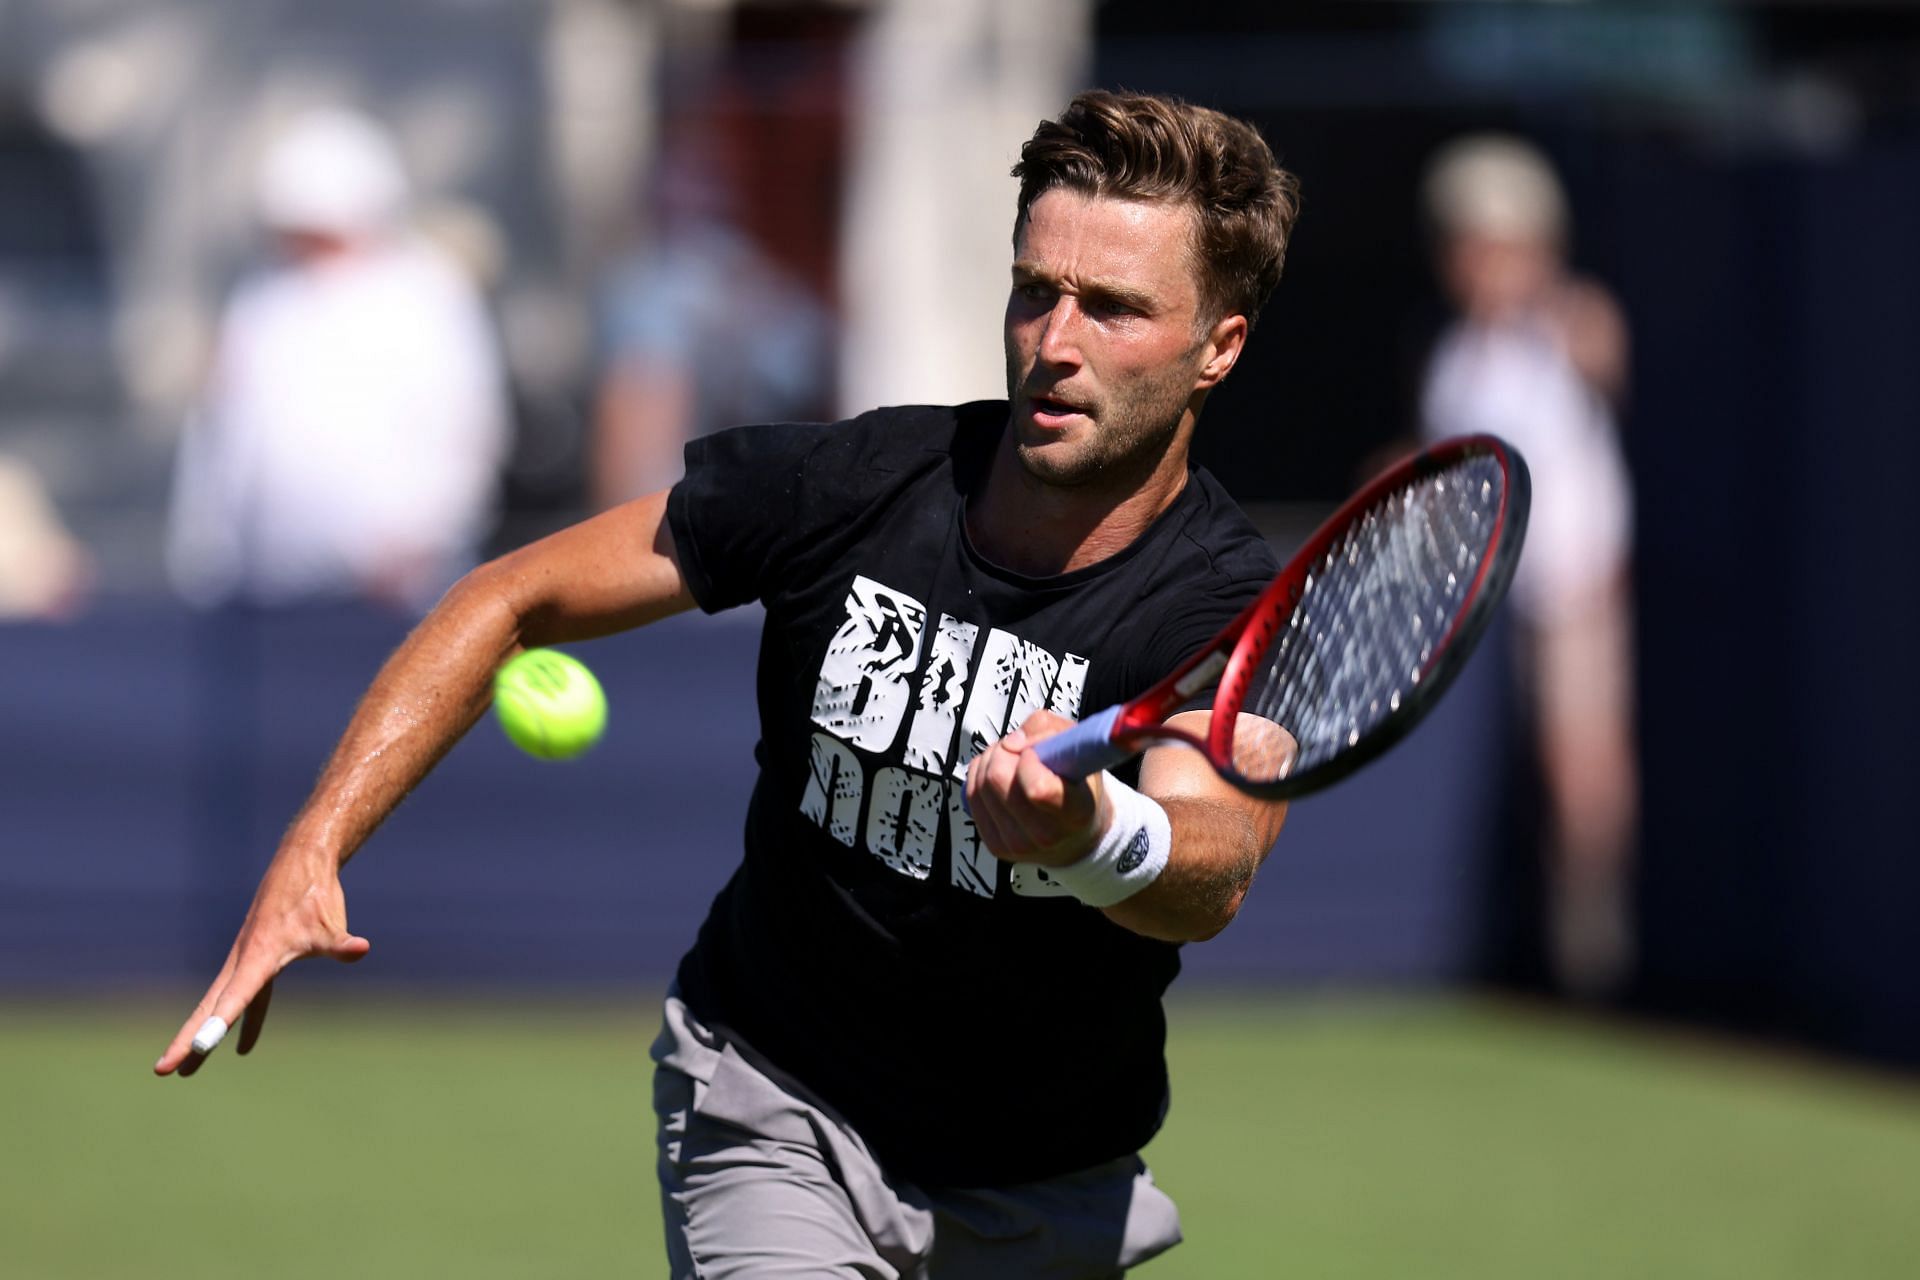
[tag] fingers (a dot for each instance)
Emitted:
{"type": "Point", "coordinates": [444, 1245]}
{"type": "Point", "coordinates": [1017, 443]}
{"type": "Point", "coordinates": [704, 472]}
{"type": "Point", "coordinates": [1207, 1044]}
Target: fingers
{"type": "Point", "coordinates": [1043, 724]}
{"type": "Point", "coordinates": [254, 1020]}
{"type": "Point", "coordinates": [299, 910]}
{"type": "Point", "coordinates": [1023, 810]}
{"type": "Point", "coordinates": [987, 823]}
{"type": "Point", "coordinates": [177, 1050]}
{"type": "Point", "coordinates": [196, 1057]}
{"type": "Point", "coordinates": [241, 996]}
{"type": "Point", "coordinates": [210, 1034]}
{"type": "Point", "coordinates": [228, 1008]}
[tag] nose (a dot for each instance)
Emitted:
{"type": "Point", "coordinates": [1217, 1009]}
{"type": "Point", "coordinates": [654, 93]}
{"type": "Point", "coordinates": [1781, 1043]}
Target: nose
{"type": "Point", "coordinates": [1058, 343]}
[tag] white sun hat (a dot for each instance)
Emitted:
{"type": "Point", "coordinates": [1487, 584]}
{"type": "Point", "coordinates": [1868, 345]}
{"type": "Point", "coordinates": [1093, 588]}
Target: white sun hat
{"type": "Point", "coordinates": [1495, 185]}
{"type": "Point", "coordinates": [332, 170]}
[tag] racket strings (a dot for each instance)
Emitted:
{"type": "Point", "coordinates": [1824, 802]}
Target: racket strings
{"type": "Point", "coordinates": [1372, 615]}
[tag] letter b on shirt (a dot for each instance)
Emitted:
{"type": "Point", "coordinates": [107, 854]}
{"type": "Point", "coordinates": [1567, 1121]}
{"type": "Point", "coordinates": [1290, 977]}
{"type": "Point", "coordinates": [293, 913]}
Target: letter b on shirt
{"type": "Point", "coordinates": [865, 684]}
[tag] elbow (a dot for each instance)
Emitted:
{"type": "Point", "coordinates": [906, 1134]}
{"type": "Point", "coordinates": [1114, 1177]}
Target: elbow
{"type": "Point", "coordinates": [493, 593]}
{"type": "Point", "coordinates": [486, 586]}
{"type": "Point", "coordinates": [485, 579]}
{"type": "Point", "coordinates": [1214, 923]}
{"type": "Point", "coordinates": [1196, 929]}
{"type": "Point", "coordinates": [1192, 922]}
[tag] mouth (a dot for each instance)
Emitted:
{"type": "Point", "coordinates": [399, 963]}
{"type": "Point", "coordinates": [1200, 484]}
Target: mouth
{"type": "Point", "coordinates": [1053, 413]}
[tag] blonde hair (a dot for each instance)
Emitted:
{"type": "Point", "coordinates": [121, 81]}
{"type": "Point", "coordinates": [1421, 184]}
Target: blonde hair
{"type": "Point", "coordinates": [1495, 185]}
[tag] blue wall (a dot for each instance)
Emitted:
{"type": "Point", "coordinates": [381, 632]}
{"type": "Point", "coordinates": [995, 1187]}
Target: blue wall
{"type": "Point", "coordinates": [504, 870]}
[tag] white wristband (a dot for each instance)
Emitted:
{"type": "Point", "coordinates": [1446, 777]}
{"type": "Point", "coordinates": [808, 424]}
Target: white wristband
{"type": "Point", "coordinates": [1131, 854]}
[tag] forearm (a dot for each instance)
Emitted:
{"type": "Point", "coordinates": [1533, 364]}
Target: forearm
{"type": "Point", "coordinates": [1217, 847]}
{"type": "Point", "coordinates": [1216, 836]}
{"type": "Point", "coordinates": [426, 696]}
{"type": "Point", "coordinates": [611, 573]}
{"type": "Point", "coordinates": [615, 571]}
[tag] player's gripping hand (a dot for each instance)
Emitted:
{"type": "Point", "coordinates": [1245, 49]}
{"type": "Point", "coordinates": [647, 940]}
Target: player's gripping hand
{"type": "Point", "coordinates": [299, 910]}
{"type": "Point", "coordinates": [1023, 810]}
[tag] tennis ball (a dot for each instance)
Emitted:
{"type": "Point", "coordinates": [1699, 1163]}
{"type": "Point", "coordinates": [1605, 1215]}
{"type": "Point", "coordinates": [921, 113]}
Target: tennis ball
{"type": "Point", "coordinates": [549, 704]}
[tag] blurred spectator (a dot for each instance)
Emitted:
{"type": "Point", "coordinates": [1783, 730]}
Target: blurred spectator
{"type": "Point", "coordinates": [703, 330]}
{"type": "Point", "coordinates": [1539, 357]}
{"type": "Point", "coordinates": [943, 96]}
{"type": "Point", "coordinates": [44, 573]}
{"type": "Point", "coordinates": [724, 314]}
{"type": "Point", "coordinates": [350, 435]}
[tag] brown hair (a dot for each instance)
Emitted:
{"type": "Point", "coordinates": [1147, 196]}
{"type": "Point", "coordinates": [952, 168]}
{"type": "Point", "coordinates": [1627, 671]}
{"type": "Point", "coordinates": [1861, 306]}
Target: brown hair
{"type": "Point", "coordinates": [1146, 147]}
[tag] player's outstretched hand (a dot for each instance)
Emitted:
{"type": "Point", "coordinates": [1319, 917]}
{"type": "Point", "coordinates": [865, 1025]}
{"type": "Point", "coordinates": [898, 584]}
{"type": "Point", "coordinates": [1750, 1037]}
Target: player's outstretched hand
{"type": "Point", "coordinates": [299, 910]}
{"type": "Point", "coordinates": [1023, 810]}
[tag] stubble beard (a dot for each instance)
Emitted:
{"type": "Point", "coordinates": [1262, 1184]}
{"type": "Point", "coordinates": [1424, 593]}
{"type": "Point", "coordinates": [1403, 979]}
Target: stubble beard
{"type": "Point", "coordinates": [1129, 436]}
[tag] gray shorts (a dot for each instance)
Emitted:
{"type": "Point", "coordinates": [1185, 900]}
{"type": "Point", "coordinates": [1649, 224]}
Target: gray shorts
{"type": "Point", "coordinates": [759, 1178]}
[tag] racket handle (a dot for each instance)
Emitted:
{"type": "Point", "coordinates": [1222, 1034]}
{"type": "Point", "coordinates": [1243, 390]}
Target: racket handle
{"type": "Point", "coordinates": [1085, 749]}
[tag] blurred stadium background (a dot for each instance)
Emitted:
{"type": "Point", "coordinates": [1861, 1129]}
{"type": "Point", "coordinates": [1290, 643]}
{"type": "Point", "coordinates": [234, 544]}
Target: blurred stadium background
{"type": "Point", "coordinates": [1357, 1092]}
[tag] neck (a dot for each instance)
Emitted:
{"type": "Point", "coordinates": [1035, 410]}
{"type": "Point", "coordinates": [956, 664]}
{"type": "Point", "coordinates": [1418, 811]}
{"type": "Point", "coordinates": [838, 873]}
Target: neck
{"type": "Point", "coordinates": [1025, 524]}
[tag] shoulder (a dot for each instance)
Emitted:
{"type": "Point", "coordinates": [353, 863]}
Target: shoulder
{"type": "Point", "coordinates": [830, 468]}
{"type": "Point", "coordinates": [762, 507]}
{"type": "Point", "coordinates": [908, 437]}
{"type": "Point", "coordinates": [903, 452]}
{"type": "Point", "coordinates": [1218, 534]}
{"type": "Point", "coordinates": [1209, 568]}
{"type": "Point", "coordinates": [870, 453]}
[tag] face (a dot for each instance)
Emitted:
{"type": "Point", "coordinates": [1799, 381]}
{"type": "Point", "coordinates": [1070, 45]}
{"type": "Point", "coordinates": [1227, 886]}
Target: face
{"type": "Point", "coordinates": [1106, 345]}
{"type": "Point", "coordinates": [1493, 278]}
{"type": "Point", "coordinates": [312, 246]}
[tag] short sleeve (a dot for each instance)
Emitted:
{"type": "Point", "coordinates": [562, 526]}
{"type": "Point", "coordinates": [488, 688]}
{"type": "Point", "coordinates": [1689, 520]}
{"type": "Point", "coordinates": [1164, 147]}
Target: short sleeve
{"type": "Point", "coordinates": [1221, 563]}
{"type": "Point", "coordinates": [738, 514]}
{"type": "Point", "coordinates": [1186, 629]}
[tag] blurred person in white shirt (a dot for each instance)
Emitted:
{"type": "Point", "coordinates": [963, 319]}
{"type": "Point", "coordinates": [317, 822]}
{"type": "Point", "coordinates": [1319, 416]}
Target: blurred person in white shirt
{"type": "Point", "coordinates": [353, 427]}
{"type": "Point", "coordinates": [1538, 356]}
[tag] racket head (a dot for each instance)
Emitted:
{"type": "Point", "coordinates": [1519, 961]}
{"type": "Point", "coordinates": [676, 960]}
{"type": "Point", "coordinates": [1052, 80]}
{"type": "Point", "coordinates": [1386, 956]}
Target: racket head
{"type": "Point", "coordinates": [1363, 631]}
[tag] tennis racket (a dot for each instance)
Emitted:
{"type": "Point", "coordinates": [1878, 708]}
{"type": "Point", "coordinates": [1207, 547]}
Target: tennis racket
{"type": "Point", "coordinates": [1352, 644]}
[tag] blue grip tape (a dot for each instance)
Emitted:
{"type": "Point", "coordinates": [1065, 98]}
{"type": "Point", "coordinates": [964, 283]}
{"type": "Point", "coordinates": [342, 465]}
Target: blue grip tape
{"type": "Point", "coordinates": [1085, 749]}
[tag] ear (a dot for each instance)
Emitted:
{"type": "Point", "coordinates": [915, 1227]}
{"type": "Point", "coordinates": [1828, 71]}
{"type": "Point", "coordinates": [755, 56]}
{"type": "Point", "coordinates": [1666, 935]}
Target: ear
{"type": "Point", "coordinates": [1222, 347]}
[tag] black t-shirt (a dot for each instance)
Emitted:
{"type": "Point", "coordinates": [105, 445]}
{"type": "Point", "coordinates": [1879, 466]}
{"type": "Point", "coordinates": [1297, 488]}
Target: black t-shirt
{"type": "Point", "coordinates": [973, 1024]}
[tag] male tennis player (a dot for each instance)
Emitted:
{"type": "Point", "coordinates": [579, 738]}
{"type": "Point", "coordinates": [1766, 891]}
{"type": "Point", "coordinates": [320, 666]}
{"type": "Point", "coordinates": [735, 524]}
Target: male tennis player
{"type": "Point", "coordinates": [921, 1027]}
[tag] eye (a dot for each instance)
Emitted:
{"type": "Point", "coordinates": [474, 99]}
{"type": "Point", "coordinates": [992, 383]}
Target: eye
{"type": "Point", "coordinates": [1111, 307]}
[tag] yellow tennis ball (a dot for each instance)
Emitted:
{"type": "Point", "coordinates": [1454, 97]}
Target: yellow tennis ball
{"type": "Point", "coordinates": [549, 704]}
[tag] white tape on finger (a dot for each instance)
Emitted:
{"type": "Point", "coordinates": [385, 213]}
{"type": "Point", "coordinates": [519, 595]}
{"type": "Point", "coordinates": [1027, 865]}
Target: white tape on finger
{"type": "Point", "coordinates": [210, 1034]}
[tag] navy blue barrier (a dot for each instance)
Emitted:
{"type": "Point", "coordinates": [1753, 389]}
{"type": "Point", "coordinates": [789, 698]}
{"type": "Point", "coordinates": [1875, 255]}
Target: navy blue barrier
{"type": "Point", "coordinates": [151, 757]}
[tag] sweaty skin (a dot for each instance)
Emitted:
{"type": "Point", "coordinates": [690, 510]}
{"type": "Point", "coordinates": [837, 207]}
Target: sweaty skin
{"type": "Point", "coordinates": [1109, 362]}
{"type": "Point", "coordinates": [1026, 813]}
{"type": "Point", "coordinates": [607, 574]}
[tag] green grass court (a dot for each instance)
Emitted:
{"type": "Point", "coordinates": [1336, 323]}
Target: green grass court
{"type": "Point", "coordinates": [1308, 1138]}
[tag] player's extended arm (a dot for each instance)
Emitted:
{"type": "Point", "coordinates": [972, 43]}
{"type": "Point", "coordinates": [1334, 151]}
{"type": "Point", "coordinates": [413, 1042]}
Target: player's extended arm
{"type": "Point", "coordinates": [613, 572]}
{"type": "Point", "coordinates": [1026, 813]}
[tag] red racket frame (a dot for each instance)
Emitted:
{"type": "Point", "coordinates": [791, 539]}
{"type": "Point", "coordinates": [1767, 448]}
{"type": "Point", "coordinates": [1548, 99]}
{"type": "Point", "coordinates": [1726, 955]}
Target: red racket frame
{"type": "Point", "coordinates": [1235, 654]}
